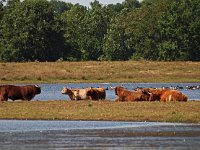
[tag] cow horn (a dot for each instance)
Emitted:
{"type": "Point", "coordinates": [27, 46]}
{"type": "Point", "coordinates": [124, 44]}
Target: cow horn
{"type": "Point", "coordinates": [37, 86]}
{"type": "Point", "coordinates": [112, 88]}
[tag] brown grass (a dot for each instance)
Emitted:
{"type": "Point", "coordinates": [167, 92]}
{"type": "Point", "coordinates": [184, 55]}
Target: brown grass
{"type": "Point", "coordinates": [102, 110]}
{"type": "Point", "coordinates": [91, 71]}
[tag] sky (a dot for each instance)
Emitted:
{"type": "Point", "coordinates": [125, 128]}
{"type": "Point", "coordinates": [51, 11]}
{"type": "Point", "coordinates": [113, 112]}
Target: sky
{"type": "Point", "coordinates": [87, 2]}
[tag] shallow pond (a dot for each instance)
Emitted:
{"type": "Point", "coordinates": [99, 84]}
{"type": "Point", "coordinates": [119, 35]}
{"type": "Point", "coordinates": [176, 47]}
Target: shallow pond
{"type": "Point", "coordinates": [53, 91]}
{"type": "Point", "coordinates": [15, 134]}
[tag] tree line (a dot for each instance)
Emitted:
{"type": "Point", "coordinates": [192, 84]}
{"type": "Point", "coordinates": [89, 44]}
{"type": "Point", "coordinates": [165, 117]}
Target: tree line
{"type": "Point", "coordinates": [164, 30]}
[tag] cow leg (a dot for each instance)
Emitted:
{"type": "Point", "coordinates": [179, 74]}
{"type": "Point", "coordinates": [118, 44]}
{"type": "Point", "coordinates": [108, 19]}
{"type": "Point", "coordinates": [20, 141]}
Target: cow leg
{"type": "Point", "coordinates": [117, 100]}
{"type": "Point", "coordinates": [3, 95]}
{"type": "Point", "coordinates": [170, 97]}
{"type": "Point", "coordinates": [27, 98]}
{"type": "Point", "coordinates": [3, 98]}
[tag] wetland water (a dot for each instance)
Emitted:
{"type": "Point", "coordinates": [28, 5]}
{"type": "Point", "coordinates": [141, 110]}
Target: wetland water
{"type": "Point", "coordinates": [53, 91]}
{"type": "Point", "coordinates": [15, 134]}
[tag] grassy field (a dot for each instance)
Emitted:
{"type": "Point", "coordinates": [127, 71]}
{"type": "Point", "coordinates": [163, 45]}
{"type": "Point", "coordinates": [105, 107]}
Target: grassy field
{"type": "Point", "coordinates": [93, 71]}
{"type": "Point", "coordinates": [102, 110]}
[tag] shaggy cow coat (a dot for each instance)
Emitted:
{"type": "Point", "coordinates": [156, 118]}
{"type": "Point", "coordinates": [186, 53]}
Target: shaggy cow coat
{"type": "Point", "coordinates": [167, 95]}
{"type": "Point", "coordinates": [173, 95]}
{"type": "Point", "coordinates": [96, 93]}
{"type": "Point", "coordinates": [125, 95]}
{"type": "Point", "coordinates": [18, 92]}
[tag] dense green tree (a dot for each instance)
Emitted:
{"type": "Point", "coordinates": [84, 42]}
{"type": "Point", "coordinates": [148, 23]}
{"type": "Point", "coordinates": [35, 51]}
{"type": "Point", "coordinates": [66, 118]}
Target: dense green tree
{"type": "Point", "coordinates": [142, 30]}
{"type": "Point", "coordinates": [60, 6]}
{"type": "Point", "coordinates": [115, 8]}
{"type": "Point", "coordinates": [85, 29]}
{"type": "Point", "coordinates": [7, 51]}
{"type": "Point", "coordinates": [30, 32]}
{"type": "Point", "coordinates": [180, 28]}
{"type": "Point", "coordinates": [94, 29]}
{"type": "Point", "coordinates": [115, 42]}
{"type": "Point", "coordinates": [131, 4]}
{"type": "Point", "coordinates": [47, 30]}
{"type": "Point", "coordinates": [1, 8]}
{"type": "Point", "coordinates": [1, 16]}
{"type": "Point", "coordinates": [72, 27]}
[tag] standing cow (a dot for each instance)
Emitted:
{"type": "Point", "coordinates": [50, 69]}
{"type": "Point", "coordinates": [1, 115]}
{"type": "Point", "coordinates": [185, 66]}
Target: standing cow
{"type": "Point", "coordinates": [76, 94]}
{"type": "Point", "coordinates": [18, 92]}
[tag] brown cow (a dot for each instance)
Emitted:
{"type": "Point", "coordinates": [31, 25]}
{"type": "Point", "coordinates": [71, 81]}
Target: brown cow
{"type": "Point", "coordinates": [125, 95]}
{"type": "Point", "coordinates": [173, 95]}
{"type": "Point", "coordinates": [167, 95]}
{"type": "Point", "coordinates": [145, 90]}
{"type": "Point", "coordinates": [96, 93]}
{"type": "Point", "coordinates": [18, 92]}
{"type": "Point", "coordinates": [156, 93]}
{"type": "Point", "coordinates": [1, 95]}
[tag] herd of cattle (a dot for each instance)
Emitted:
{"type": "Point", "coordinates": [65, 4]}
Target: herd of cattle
{"type": "Point", "coordinates": [142, 94]}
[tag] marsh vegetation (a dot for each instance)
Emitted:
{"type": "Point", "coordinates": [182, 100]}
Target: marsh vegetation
{"type": "Point", "coordinates": [99, 71]}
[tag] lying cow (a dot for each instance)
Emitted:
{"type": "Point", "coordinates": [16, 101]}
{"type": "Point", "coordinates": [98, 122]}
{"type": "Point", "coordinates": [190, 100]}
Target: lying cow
{"type": "Point", "coordinates": [167, 95]}
{"type": "Point", "coordinates": [173, 95]}
{"type": "Point", "coordinates": [76, 94]}
{"type": "Point", "coordinates": [125, 95]}
{"type": "Point", "coordinates": [18, 92]}
{"type": "Point", "coordinates": [96, 93]}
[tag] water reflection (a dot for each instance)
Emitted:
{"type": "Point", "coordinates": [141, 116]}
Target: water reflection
{"type": "Point", "coordinates": [42, 125]}
{"type": "Point", "coordinates": [97, 135]}
{"type": "Point", "coordinates": [52, 91]}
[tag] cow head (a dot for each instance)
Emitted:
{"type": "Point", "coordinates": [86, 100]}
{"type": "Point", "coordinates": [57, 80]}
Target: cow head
{"type": "Point", "coordinates": [118, 89]}
{"type": "Point", "coordinates": [155, 95]}
{"type": "Point", "coordinates": [65, 90]}
{"type": "Point", "coordinates": [38, 89]}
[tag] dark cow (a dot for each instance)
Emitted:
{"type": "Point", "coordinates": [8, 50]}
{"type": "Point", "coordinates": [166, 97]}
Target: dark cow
{"type": "Point", "coordinates": [125, 95]}
{"type": "Point", "coordinates": [18, 92]}
{"type": "Point", "coordinates": [167, 95]}
{"type": "Point", "coordinates": [2, 95]}
{"type": "Point", "coordinates": [96, 93]}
